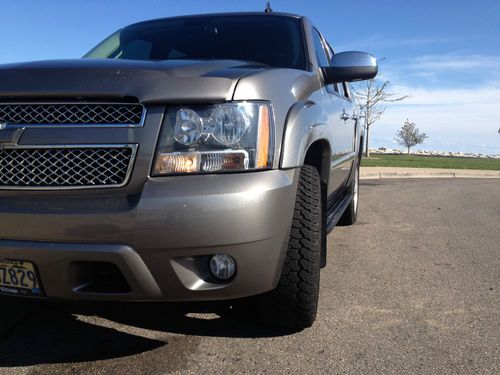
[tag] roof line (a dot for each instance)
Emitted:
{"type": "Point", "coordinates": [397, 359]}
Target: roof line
{"type": "Point", "coordinates": [230, 14]}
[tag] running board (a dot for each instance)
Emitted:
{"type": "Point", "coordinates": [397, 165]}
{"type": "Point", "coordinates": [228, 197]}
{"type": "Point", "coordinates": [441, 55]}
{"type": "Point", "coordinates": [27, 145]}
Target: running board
{"type": "Point", "coordinates": [336, 210]}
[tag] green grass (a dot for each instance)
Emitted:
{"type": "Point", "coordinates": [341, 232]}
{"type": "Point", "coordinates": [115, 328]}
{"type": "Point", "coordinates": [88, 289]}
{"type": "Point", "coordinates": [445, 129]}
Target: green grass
{"type": "Point", "coordinates": [414, 161]}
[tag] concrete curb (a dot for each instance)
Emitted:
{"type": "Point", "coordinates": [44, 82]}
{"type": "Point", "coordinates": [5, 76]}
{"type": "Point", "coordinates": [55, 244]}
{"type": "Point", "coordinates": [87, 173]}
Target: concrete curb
{"type": "Point", "coordinates": [374, 173]}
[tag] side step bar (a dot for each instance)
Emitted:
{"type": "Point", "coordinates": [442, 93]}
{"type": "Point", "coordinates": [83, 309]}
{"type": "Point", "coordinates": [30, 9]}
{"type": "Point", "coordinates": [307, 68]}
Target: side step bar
{"type": "Point", "coordinates": [336, 210]}
{"type": "Point", "coordinates": [333, 215]}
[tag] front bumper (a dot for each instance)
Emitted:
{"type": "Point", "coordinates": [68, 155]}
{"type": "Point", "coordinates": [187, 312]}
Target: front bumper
{"type": "Point", "coordinates": [159, 240]}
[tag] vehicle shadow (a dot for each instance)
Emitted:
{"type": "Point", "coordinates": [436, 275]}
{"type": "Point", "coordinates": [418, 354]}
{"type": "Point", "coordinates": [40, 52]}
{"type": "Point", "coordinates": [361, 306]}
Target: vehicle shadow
{"type": "Point", "coordinates": [73, 333]}
{"type": "Point", "coordinates": [236, 319]}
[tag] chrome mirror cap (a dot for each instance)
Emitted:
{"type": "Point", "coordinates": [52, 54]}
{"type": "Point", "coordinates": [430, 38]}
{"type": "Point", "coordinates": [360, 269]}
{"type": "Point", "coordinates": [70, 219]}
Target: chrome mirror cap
{"type": "Point", "coordinates": [350, 67]}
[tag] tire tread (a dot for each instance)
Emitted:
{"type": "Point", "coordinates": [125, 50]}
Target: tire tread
{"type": "Point", "coordinates": [293, 304]}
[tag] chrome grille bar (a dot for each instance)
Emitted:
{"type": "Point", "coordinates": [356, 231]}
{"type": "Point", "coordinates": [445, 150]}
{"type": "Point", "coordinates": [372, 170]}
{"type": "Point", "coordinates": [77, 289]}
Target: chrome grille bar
{"type": "Point", "coordinates": [72, 113]}
{"type": "Point", "coordinates": [60, 167]}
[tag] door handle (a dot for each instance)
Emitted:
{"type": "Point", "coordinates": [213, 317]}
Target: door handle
{"type": "Point", "coordinates": [344, 116]}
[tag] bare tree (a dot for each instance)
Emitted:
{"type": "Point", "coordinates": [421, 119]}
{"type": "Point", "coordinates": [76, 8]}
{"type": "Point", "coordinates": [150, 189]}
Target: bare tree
{"type": "Point", "coordinates": [409, 135]}
{"type": "Point", "coordinates": [372, 99]}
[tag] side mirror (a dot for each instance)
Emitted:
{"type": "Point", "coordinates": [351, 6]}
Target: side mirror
{"type": "Point", "coordinates": [350, 67]}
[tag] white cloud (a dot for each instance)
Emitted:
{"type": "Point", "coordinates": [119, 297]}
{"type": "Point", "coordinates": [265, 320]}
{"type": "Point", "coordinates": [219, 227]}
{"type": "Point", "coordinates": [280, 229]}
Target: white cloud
{"type": "Point", "coordinates": [442, 70]}
{"type": "Point", "coordinates": [454, 119]}
{"type": "Point", "coordinates": [454, 98]}
{"type": "Point", "coordinates": [379, 41]}
{"type": "Point", "coordinates": [455, 62]}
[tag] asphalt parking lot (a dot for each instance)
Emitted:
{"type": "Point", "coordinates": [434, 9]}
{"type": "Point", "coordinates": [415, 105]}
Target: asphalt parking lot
{"type": "Point", "coordinates": [413, 287]}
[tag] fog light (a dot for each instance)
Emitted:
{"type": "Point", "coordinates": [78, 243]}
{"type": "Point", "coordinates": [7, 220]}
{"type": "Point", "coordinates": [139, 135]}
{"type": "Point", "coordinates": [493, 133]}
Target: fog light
{"type": "Point", "coordinates": [222, 266]}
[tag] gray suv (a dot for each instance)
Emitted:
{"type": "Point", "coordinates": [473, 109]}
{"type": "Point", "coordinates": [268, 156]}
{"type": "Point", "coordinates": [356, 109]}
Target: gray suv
{"type": "Point", "coordinates": [191, 158]}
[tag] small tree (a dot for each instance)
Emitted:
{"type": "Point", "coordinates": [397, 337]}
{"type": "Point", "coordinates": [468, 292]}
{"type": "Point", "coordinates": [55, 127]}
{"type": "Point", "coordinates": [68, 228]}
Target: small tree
{"type": "Point", "coordinates": [409, 135]}
{"type": "Point", "coordinates": [372, 99]}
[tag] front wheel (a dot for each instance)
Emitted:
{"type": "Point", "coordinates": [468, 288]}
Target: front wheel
{"type": "Point", "coordinates": [294, 302]}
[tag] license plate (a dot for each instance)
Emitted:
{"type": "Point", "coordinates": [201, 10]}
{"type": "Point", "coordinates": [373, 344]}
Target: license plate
{"type": "Point", "coordinates": [19, 277]}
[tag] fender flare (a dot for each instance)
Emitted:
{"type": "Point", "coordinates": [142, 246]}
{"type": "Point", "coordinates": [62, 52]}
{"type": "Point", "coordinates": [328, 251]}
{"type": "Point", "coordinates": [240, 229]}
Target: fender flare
{"type": "Point", "coordinates": [301, 130]}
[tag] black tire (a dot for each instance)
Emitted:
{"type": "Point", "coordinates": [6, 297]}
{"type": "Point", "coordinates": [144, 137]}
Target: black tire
{"type": "Point", "coordinates": [350, 215]}
{"type": "Point", "coordinates": [294, 303]}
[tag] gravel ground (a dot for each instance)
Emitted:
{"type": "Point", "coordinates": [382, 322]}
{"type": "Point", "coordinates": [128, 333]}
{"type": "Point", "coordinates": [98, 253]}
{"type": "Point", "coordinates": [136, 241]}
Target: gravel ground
{"type": "Point", "coordinates": [413, 287]}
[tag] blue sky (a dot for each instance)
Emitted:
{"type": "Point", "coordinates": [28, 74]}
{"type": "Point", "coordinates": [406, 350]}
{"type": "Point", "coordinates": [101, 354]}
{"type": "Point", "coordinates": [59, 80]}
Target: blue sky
{"type": "Point", "coordinates": [445, 54]}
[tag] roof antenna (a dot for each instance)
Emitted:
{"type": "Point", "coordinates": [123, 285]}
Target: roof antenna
{"type": "Point", "coordinates": [268, 7]}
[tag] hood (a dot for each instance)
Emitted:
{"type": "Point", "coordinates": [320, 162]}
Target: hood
{"type": "Point", "coordinates": [178, 81]}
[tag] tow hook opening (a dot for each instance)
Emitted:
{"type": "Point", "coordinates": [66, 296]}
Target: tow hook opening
{"type": "Point", "coordinates": [98, 278]}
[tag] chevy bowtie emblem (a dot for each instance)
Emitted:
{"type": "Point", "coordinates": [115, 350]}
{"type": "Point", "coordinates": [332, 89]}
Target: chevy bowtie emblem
{"type": "Point", "coordinates": [9, 137]}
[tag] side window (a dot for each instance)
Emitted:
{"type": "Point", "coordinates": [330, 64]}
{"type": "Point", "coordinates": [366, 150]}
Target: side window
{"type": "Point", "coordinates": [322, 55]}
{"type": "Point", "coordinates": [344, 90]}
{"type": "Point", "coordinates": [320, 50]}
{"type": "Point", "coordinates": [331, 53]}
{"type": "Point", "coordinates": [347, 90]}
{"type": "Point", "coordinates": [341, 89]}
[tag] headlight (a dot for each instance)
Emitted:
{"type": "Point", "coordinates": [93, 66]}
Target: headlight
{"type": "Point", "coordinates": [225, 137]}
{"type": "Point", "coordinates": [230, 123]}
{"type": "Point", "coordinates": [188, 127]}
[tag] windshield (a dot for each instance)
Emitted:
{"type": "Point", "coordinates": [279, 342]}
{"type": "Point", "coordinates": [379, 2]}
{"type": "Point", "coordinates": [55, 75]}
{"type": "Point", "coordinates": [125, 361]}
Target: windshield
{"type": "Point", "coordinates": [271, 40]}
